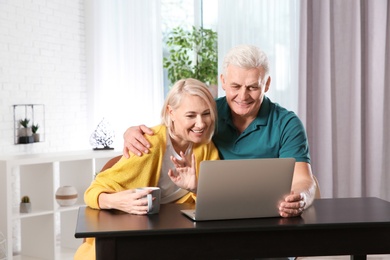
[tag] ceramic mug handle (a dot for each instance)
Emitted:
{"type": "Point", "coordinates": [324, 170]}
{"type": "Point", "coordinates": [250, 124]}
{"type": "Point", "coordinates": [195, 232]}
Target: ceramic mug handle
{"type": "Point", "coordinates": [150, 202]}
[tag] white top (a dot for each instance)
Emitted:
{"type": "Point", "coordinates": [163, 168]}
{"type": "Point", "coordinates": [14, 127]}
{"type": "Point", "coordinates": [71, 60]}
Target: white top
{"type": "Point", "coordinates": [169, 191]}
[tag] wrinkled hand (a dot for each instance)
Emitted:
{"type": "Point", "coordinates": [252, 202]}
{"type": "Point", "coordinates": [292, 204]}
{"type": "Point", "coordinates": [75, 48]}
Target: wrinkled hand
{"type": "Point", "coordinates": [292, 205]}
{"type": "Point", "coordinates": [134, 140]}
{"type": "Point", "coordinates": [184, 174]}
{"type": "Point", "coordinates": [128, 201]}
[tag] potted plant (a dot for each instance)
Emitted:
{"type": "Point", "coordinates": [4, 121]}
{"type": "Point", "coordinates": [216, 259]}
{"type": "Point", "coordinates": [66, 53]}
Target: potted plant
{"type": "Point", "coordinates": [193, 54]}
{"type": "Point", "coordinates": [25, 132]}
{"type": "Point", "coordinates": [25, 205]}
{"type": "Point", "coordinates": [34, 129]}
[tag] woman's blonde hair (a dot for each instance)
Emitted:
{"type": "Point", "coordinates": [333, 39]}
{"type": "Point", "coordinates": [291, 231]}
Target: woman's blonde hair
{"type": "Point", "coordinates": [191, 87]}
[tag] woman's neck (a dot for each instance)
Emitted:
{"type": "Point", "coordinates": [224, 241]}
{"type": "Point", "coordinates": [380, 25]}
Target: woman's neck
{"type": "Point", "coordinates": [179, 145]}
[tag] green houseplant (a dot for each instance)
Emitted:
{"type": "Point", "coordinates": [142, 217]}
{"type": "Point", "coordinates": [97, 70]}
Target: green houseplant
{"type": "Point", "coordinates": [192, 54]}
{"type": "Point", "coordinates": [24, 122]}
{"type": "Point", "coordinates": [34, 129]}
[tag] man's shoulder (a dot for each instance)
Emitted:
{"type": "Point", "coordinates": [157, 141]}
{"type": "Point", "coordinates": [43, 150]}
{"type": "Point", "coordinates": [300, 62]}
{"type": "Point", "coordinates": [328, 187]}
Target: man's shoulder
{"type": "Point", "coordinates": [221, 101]}
{"type": "Point", "coordinates": [276, 108]}
{"type": "Point", "coordinates": [222, 107]}
{"type": "Point", "coordinates": [280, 114]}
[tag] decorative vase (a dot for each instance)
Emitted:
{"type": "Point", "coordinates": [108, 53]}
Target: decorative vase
{"type": "Point", "coordinates": [66, 196]}
{"type": "Point", "coordinates": [25, 207]}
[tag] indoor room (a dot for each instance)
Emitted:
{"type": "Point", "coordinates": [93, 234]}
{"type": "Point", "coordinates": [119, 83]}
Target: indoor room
{"type": "Point", "coordinates": [76, 75]}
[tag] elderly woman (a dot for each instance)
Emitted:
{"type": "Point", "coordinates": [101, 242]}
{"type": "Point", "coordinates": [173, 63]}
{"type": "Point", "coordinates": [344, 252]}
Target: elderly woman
{"type": "Point", "coordinates": [178, 145]}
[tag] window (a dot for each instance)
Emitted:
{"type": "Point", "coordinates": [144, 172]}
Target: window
{"type": "Point", "coordinates": [186, 13]}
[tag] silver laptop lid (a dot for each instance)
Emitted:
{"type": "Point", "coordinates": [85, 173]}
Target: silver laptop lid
{"type": "Point", "coordinates": [249, 188]}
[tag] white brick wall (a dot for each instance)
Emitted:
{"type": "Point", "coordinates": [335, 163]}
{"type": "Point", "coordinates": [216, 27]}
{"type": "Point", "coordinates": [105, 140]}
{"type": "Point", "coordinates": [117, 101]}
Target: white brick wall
{"type": "Point", "coordinates": [43, 61]}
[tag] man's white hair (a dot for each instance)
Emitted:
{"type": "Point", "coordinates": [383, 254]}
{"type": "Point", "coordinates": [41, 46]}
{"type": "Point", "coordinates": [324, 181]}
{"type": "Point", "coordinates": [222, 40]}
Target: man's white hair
{"type": "Point", "coordinates": [247, 57]}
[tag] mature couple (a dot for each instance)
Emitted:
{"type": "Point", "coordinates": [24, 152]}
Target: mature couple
{"type": "Point", "coordinates": [246, 124]}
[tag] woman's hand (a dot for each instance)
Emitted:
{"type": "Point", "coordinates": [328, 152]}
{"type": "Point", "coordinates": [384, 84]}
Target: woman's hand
{"type": "Point", "coordinates": [184, 174]}
{"type": "Point", "coordinates": [128, 201]}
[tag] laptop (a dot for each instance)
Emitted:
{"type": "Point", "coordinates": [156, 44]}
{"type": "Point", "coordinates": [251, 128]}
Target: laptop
{"type": "Point", "coordinates": [245, 188]}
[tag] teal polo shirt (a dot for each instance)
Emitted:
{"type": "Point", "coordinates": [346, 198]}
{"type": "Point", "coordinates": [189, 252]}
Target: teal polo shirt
{"type": "Point", "coordinates": [275, 133]}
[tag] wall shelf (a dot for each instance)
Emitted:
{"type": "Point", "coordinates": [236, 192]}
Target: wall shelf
{"type": "Point", "coordinates": [39, 176]}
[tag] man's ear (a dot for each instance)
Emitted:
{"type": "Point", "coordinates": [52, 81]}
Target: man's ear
{"type": "Point", "coordinates": [222, 78]}
{"type": "Point", "coordinates": [267, 84]}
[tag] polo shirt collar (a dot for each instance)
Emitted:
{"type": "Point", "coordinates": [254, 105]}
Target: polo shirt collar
{"type": "Point", "coordinates": [264, 111]}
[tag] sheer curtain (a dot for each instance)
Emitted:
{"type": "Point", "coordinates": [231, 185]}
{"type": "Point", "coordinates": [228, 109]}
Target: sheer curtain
{"type": "Point", "coordinates": [271, 25]}
{"type": "Point", "coordinates": [344, 94]}
{"type": "Point", "coordinates": [124, 63]}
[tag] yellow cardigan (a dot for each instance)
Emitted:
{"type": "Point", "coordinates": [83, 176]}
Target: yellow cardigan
{"type": "Point", "coordinates": [137, 172]}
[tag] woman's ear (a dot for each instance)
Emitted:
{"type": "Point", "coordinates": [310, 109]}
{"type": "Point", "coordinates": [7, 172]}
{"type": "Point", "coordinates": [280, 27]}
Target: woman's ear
{"type": "Point", "coordinates": [171, 113]}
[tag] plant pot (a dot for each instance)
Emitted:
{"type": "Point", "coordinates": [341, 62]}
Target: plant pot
{"type": "Point", "coordinates": [25, 135]}
{"type": "Point", "coordinates": [25, 131]}
{"type": "Point", "coordinates": [25, 139]}
{"type": "Point", "coordinates": [36, 138]}
{"type": "Point", "coordinates": [25, 207]}
{"type": "Point", "coordinates": [66, 196]}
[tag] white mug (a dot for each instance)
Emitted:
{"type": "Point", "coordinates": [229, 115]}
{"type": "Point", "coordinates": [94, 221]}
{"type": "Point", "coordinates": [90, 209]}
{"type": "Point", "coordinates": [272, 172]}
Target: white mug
{"type": "Point", "coordinates": [153, 205]}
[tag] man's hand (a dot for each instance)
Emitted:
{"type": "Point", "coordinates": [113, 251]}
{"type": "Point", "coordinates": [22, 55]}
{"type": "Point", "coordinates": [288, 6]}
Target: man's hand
{"type": "Point", "coordinates": [135, 142]}
{"type": "Point", "coordinates": [302, 192]}
{"type": "Point", "coordinates": [293, 205]}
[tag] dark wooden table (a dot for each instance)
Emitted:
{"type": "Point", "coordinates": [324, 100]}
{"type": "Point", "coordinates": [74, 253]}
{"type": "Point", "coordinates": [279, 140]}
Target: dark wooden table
{"type": "Point", "coordinates": [345, 226]}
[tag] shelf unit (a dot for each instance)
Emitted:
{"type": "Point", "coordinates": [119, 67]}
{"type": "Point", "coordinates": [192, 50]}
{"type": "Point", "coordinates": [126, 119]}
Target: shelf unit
{"type": "Point", "coordinates": [39, 176]}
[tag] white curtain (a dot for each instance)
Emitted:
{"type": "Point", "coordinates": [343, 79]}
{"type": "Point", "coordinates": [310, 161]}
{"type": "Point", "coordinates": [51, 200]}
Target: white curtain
{"type": "Point", "coordinates": [344, 94]}
{"type": "Point", "coordinates": [124, 63]}
{"type": "Point", "coordinates": [272, 25]}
